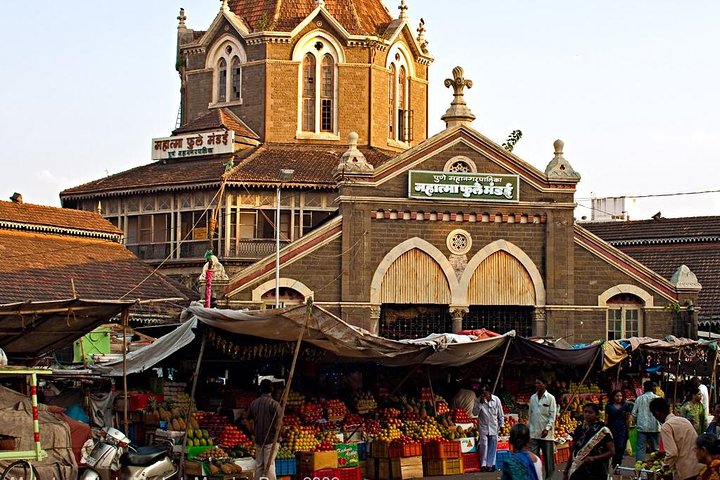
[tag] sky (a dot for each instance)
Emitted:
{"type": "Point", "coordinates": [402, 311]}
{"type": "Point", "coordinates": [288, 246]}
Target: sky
{"type": "Point", "coordinates": [631, 87]}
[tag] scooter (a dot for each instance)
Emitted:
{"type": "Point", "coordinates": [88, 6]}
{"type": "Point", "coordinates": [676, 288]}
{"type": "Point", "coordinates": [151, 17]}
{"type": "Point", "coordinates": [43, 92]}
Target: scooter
{"type": "Point", "coordinates": [103, 462]}
{"type": "Point", "coordinates": [147, 463]}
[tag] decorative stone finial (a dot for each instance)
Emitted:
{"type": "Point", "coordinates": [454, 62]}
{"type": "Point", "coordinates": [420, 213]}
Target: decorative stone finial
{"type": "Point", "coordinates": [403, 10]}
{"type": "Point", "coordinates": [352, 162]}
{"type": "Point", "coordinates": [559, 168]}
{"type": "Point", "coordinates": [320, 3]}
{"type": "Point", "coordinates": [224, 6]}
{"type": "Point", "coordinates": [685, 279]}
{"type": "Point", "coordinates": [458, 113]}
{"type": "Point", "coordinates": [181, 18]}
{"type": "Point", "coordinates": [421, 36]}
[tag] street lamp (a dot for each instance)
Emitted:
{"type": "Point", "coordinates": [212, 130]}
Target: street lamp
{"type": "Point", "coordinates": [285, 176]}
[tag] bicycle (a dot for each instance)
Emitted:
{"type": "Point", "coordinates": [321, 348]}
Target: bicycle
{"type": "Point", "coordinates": [19, 470]}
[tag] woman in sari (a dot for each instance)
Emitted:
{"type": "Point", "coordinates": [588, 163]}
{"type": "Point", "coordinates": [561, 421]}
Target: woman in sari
{"type": "Point", "coordinates": [593, 448]}
{"type": "Point", "coordinates": [707, 451]}
{"type": "Point", "coordinates": [616, 418]}
{"type": "Point", "coordinates": [522, 464]}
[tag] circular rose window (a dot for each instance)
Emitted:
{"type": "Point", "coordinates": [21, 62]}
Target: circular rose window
{"type": "Point", "coordinates": [459, 242]}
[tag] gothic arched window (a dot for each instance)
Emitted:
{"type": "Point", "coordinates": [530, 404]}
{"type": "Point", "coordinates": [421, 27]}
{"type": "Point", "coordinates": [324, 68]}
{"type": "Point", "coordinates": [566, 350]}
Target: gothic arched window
{"type": "Point", "coordinates": [308, 96]}
{"type": "Point", "coordinates": [400, 115]}
{"type": "Point", "coordinates": [222, 81]}
{"type": "Point", "coordinates": [327, 94]}
{"type": "Point", "coordinates": [236, 79]}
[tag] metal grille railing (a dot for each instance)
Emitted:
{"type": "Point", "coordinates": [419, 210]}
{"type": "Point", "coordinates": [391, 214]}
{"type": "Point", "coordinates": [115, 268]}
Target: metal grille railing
{"type": "Point", "coordinates": [414, 321]}
{"type": "Point", "coordinates": [500, 319]}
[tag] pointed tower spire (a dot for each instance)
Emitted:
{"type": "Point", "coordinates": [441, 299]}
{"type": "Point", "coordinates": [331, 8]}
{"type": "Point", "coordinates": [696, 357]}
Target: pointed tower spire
{"type": "Point", "coordinates": [224, 6]}
{"type": "Point", "coordinates": [403, 10]}
{"type": "Point", "coordinates": [458, 113]}
{"type": "Point", "coordinates": [320, 3]}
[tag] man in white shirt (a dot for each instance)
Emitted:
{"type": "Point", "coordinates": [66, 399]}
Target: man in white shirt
{"type": "Point", "coordinates": [541, 423]}
{"type": "Point", "coordinates": [489, 411]}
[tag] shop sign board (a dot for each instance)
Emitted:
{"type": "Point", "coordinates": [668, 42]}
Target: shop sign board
{"type": "Point", "coordinates": [486, 187]}
{"type": "Point", "coordinates": [213, 142]}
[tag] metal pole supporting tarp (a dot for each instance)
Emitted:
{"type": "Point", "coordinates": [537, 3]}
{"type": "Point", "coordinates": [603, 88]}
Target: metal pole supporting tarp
{"type": "Point", "coordinates": [590, 367]}
{"type": "Point", "coordinates": [192, 404]}
{"type": "Point", "coordinates": [502, 365]}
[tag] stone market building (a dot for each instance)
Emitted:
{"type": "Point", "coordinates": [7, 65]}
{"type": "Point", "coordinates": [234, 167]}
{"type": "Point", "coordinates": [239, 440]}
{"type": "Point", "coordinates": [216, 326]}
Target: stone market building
{"type": "Point", "coordinates": [393, 231]}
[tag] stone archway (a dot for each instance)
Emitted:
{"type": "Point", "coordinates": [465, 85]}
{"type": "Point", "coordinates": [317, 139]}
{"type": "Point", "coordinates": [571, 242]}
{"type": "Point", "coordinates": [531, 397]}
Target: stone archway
{"type": "Point", "coordinates": [290, 283]}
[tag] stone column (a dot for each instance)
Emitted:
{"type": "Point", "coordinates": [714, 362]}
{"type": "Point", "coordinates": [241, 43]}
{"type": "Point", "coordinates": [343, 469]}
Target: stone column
{"type": "Point", "coordinates": [458, 315]}
{"type": "Point", "coordinates": [374, 319]}
{"type": "Point", "coordinates": [539, 325]}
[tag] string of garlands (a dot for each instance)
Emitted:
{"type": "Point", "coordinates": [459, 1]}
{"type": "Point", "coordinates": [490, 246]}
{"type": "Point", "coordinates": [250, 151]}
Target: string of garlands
{"type": "Point", "coordinates": [263, 350]}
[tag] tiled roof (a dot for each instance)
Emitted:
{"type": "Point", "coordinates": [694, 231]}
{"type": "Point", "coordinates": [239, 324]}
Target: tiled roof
{"type": "Point", "coordinates": [663, 230]}
{"type": "Point", "coordinates": [215, 119]}
{"type": "Point", "coordinates": [44, 266]}
{"type": "Point", "coordinates": [359, 17]}
{"type": "Point", "coordinates": [41, 217]}
{"type": "Point", "coordinates": [703, 259]}
{"type": "Point", "coordinates": [169, 174]}
{"type": "Point", "coordinates": [313, 164]}
{"type": "Point", "coordinates": [666, 244]}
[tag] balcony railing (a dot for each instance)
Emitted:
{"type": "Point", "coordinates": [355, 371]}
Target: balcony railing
{"type": "Point", "coordinates": [253, 249]}
{"type": "Point", "coordinates": [246, 249]}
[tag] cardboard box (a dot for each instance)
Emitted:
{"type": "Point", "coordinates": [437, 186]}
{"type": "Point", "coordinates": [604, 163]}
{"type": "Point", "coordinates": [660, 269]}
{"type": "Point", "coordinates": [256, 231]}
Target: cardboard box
{"type": "Point", "coordinates": [196, 469]}
{"type": "Point", "coordinates": [347, 455]}
{"type": "Point", "coordinates": [406, 467]}
{"type": "Point", "coordinates": [467, 444]}
{"type": "Point", "coordinates": [312, 461]}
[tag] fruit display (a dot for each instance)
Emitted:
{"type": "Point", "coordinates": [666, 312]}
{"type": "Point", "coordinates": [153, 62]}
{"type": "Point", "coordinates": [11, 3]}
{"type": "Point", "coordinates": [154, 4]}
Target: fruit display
{"type": "Point", "coordinates": [199, 438]}
{"type": "Point", "coordinates": [565, 425]}
{"type": "Point", "coordinates": [391, 432]}
{"type": "Point", "coordinates": [284, 452]}
{"type": "Point", "coordinates": [301, 439]}
{"type": "Point", "coordinates": [364, 402]}
{"type": "Point", "coordinates": [508, 423]}
{"type": "Point", "coordinates": [232, 436]}
{"type": "Point", "coordinates": [213, 422]}
{"type": "Point", "coordinates": [335, 410]}
{"type": "Point", "coordinates": [324, 446]}
{"type": "Point", "coordinates": [295, 399]}
{"type": "Point", "coordinates": [441, 406]}
{"type": "Point", "coordinates": [240, 451]}
{"type": "Point", "coordinates": [655, 464]}
{"type": "Point", "coordinates": [224, 467]}
{"type": "Point", "coordinates": [459, 415]}
{"type": "Point", "coordinates": [311, 412]}
{"type": "Point", "coordinates": [214, 453]}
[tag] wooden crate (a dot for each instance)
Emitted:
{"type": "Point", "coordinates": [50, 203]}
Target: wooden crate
{"type": "Point", "coordinates": [380, 449]}
{"type": "Point", "coordinates": [383, 469]}
{"type": "Point", "coordinates": [406, 467]}
{"type": "Point", "coordinates": [443, 466]}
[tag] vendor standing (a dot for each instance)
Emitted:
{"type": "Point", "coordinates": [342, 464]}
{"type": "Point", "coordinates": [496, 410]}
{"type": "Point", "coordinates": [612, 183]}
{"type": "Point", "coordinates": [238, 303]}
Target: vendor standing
{"type": "Point", "coordinates": [263, 418]}
{"type": "Point", "coordinates": [541, 423]}
{"type": "Point", "coordinates": [489, 411]}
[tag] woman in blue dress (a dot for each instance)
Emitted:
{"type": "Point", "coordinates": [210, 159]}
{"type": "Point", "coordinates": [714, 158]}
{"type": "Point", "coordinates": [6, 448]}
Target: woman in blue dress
{"type": "Point", "coordinates": [616, 419]}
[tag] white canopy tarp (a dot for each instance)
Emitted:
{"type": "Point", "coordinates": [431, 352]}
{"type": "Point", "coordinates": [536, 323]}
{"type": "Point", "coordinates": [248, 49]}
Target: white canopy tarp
{"type": "Point", "coordinates": [145, 357]}
{"type": "Point", "coordinates": [330, 333]}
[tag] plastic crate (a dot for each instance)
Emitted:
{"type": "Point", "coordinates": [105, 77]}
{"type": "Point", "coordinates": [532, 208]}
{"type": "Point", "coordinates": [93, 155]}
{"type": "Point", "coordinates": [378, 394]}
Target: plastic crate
{"type": "Point", "coordinates": [362, 451]}
{"type": "Point", "coordinates": [405, 450]}
{"type": "Point", "coordinates": [352, 473]}
{"type": "Point", "coordinates": [438, 450]}
{"type": "Point", "coordinates": [285, 466]}
{"type": "Point", "coordinates": [562, 455]}
{"type": "Point", "coordinates": [500, 457]}
{"type": "Point", "coordinates": [471, 462]}
{"type": "Point", "coordinates": [443, 466]}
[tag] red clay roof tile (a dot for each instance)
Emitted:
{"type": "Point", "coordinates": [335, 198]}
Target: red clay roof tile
{"type": "Point", "coordinates": [359, 17]}
{"type": "Point", "coordinates": [218, 118]}
{"type": "Point", "coordinates": [41, 215]}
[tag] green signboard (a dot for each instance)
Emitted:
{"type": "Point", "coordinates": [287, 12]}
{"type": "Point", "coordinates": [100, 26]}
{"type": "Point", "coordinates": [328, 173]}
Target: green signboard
{"type": "Point", "coordinates": [486, 187]}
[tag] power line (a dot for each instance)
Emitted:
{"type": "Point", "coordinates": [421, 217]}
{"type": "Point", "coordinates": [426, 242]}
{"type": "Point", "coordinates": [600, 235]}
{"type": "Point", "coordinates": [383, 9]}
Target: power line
{"type": "Point", "coordinates": [655, 195]}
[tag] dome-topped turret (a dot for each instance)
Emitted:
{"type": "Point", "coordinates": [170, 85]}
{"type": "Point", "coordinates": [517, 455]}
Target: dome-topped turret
{"type": "Point", "coordinates": [358, 17]}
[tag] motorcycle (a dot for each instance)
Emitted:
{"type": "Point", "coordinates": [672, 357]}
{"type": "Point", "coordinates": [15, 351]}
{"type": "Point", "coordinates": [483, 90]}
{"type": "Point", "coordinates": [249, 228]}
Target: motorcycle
{"type": "Point", "coordinates": [103, 462]}
{"type": "Point", "coordinates": [113, 458]}
{"type": "Point", "coordinates": [147, 463]}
